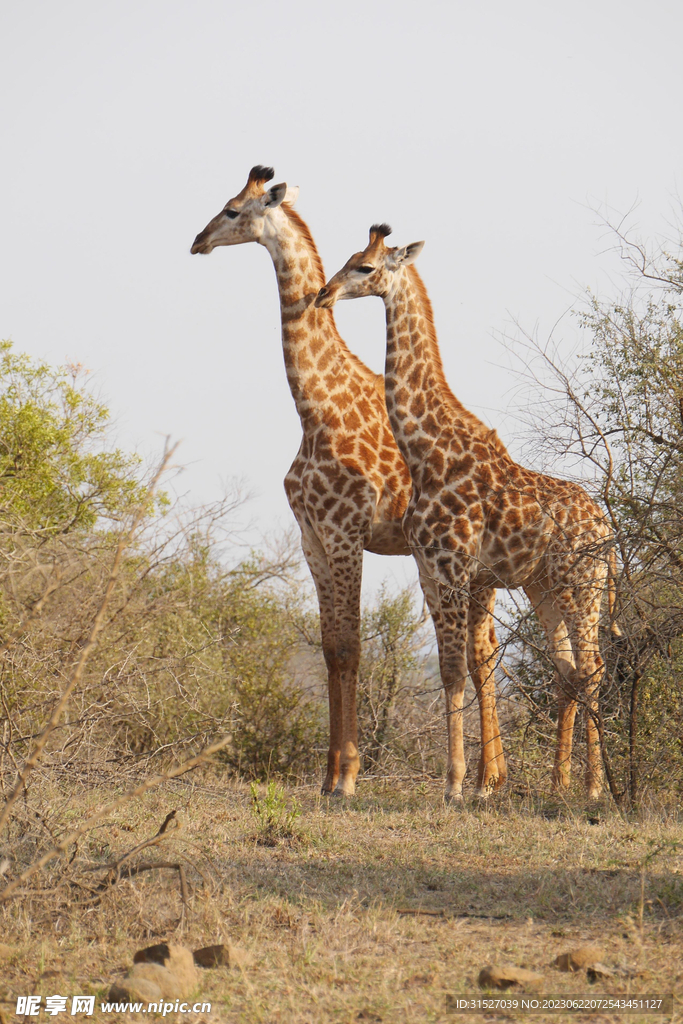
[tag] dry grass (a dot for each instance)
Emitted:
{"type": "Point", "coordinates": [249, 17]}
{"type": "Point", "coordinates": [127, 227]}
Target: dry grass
{"type": "Point", "coordinates": [518, 882]}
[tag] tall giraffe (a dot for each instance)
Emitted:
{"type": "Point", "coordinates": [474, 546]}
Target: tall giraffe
{"type": "Point", "coordinates": [348, 485]}
{"type": "Point", "coordinates": [476, 519]}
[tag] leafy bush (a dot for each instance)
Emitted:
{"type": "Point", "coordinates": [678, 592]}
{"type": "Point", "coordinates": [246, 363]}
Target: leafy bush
{"type": "Point", "coordinates": [618, 416]}
{"type": "Point", "coordinates": [277, 821]}
{"type": "Point", "coordinates": [192, 645]}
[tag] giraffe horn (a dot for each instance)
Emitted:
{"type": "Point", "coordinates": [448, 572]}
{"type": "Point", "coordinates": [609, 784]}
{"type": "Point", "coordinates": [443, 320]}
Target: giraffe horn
{"type": "Point", "coordinates": [378, 232]}
{"type": "Point", "coordinates": [258, 177]}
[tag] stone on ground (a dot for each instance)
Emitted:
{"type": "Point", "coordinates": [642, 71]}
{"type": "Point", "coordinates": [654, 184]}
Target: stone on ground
{"type": "Point", "coordinates": [165, 980]}
{"type": "Point", "coordinates": [177, 960]}
{"type": "Point", "coordinates": [163, 971]}
{"type": "Point", "coordinates": [221, 956]}
{"type": "Point", "coordinates": [598, 972]}
{"type": "Point", "coordinates": [505, 977]}
{"type": "Point", "coordinates": [580, 958]}
{"type": "Point", "coordinates": [133, 989]}
{"type": "Point", "coordinates": [157, 954]}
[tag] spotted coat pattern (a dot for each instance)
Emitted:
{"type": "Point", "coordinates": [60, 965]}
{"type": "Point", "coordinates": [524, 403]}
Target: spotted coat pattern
{"type": "Point", "coordinates": [476, 519]}
{"type": "Point", "coordinates": [348, 486]}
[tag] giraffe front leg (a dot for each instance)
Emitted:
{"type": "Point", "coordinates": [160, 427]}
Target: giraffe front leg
{"type": "Point", "coordinates": [346, 570]}
{"type": "Point", "coordinates": [481, 659]}
{"type": "Point", "coordinates": [449, 604]}
{"type": "Point", "coordinates": [320, 571]}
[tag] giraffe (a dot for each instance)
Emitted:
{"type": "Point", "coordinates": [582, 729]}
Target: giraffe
{"type": "Point", "coordinates": [476, 519]}
{"type": "Point", "coordinates": [348, 486]}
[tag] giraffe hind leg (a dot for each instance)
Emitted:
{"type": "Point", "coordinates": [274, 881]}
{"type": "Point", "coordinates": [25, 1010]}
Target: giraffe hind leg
{"type": "Point", "coordinates": [590, 669]}
{"type": "Point", "coordinates": [482, 646]}
{"type": "Point", "coordinates": [560, 648]}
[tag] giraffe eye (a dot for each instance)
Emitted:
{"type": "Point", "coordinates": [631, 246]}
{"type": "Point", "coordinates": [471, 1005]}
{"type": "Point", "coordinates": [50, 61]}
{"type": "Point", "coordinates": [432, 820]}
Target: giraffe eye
{"type": "Point", "coordinates": [231, 213]}
{"type": "Point", "coordinates": [365, 270]}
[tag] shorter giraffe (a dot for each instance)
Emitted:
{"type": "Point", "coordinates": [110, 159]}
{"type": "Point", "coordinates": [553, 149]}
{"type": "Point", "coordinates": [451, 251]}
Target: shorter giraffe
{"type": "Point", "coordinates": [476, 519]}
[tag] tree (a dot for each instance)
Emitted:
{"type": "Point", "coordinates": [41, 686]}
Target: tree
{"type": "Point", "coordinates": [619, 415]}
{"type": "Point", "coordinates": [56, 472]}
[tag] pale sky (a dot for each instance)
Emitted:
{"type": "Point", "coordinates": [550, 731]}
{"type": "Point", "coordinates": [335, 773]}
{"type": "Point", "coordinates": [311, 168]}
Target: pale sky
{"type": "Point", "coordinates": [485, 128]}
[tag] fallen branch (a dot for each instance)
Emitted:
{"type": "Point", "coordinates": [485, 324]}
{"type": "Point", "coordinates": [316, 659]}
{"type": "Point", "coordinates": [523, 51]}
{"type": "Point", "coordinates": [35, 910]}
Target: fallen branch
{"type": "Point", "coordinates": [120, 869]}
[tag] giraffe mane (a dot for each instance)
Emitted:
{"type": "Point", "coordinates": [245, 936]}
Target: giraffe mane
{"type": "Point", "coordinates": [476, 425]}
{"type": "Point", "coordinates": [428, 312]}
{"type": "Point", "coordinates": [303, 228]}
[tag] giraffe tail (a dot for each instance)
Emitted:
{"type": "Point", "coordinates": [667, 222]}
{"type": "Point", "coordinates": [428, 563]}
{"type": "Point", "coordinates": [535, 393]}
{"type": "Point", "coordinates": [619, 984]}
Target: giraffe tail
{"type": "Point", "coordinates": [612, 591]}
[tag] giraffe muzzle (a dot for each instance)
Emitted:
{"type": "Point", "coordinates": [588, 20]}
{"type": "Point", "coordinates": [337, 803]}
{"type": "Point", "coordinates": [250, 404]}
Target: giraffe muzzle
{"type": "Point", "coordinates": [324, 299]}
{"type": "Point", "coordinates": [200, 245]}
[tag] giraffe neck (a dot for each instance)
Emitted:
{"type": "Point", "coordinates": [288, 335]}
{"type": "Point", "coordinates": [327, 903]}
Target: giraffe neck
{"type": "Point", "coordinates": [419, 401]}
{"type": "Point", "coordinates": [317, 361]}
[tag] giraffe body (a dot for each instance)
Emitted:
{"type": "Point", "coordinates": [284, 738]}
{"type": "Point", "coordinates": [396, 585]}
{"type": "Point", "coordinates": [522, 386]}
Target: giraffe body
{"type": "Point", "coordinates": [477, 520]}
{"type": "Point", "coordinates": [348, 485]}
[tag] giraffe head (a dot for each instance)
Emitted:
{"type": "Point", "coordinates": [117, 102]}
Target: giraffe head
{"type": "Point", "coordinates": [371, 272]}
{"type": "Point", "coordinates": [247, 217]}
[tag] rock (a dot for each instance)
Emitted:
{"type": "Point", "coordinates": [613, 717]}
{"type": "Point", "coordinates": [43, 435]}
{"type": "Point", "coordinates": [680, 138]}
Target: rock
{"type": "Point", "coordinates": [165, 970]}
{"type": "Point", "coordinates": [168, 984]}
{"type": "Point", "coordinates": [508, 977]}
{"type": "Point", "coordinates": [171, 984]}
{"type": "Point", "coordinates": [598, 972]}
{"type": "Point", "coordinates": [133, 989]}
{"type": "Point", "coordinates": [157, 954]}
{"type": "Point", "coordinates": [212, 956]}
{"type": "Point", "coordinates": [176, 960]}
{"type": "Point", "coordinates": [580, 958]}
{"type": "Point", "coordinates": [221, 956]}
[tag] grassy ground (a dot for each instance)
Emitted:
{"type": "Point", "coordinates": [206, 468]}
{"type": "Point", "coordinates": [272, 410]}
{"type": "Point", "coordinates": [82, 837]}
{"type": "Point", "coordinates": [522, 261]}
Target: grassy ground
{"type": "Point", "coordinates": [326, 915]}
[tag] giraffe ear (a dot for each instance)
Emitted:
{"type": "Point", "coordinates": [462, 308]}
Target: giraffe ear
{"type": "Point", "coordinates": [291, 195]}
{"type": "Point", "coordinates": [274, 196]}
{"type": "Point", "coordinates": [407, 254]}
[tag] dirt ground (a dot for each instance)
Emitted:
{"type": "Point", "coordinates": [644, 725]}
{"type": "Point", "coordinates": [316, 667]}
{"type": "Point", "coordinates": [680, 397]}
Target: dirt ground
{"type": "Point", "coordinates": [378, 909]}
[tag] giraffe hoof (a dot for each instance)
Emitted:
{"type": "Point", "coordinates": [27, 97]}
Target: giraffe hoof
{"type": "Point", "coordinates": [488, 788]}
{"type": "Point", "coordinates": [344, 792]}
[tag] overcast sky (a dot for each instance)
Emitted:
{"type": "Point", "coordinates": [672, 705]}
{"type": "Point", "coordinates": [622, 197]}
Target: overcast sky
{"type": "Point", "coordinates": [485, 128]}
